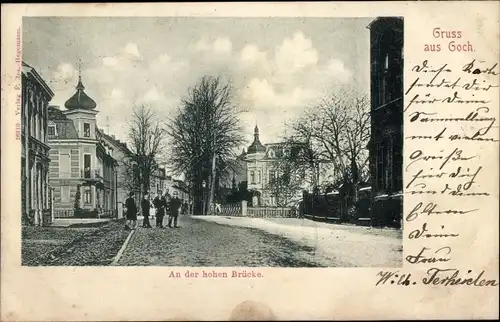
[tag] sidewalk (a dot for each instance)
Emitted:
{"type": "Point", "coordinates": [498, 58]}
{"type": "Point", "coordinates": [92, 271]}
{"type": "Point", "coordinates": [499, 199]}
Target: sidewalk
{"type": "Point", "coordinates": [352, 246]}
{"type": "Point", "coordinates": [390, 232]}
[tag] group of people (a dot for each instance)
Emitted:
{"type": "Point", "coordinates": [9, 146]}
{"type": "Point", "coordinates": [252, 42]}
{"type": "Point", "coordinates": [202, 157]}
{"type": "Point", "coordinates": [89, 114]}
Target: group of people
{"type": "Point", "coordinates": [163, 205]}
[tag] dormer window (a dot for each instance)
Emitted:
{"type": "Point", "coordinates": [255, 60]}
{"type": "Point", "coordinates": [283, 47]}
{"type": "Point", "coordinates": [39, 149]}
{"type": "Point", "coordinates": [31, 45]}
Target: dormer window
{"type": "Point", "coordinates": [271, 153]}
{"type": "Point", "coordinates": [52, 130]}
{"type": "Point", "coordinates": [86, 130]}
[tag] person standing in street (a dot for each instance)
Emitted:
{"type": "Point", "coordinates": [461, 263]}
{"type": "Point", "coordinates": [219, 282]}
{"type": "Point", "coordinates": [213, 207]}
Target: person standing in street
{"type": "Point", "coordinates": [166, 202]}
{"type": "Point", "coordinates": [131, 212]}
{"type": "Point", "coordinates": [146, 205]}
{"type": "Point", "coordinates": [159, 203]}
{"type": "Point", "coordinates": [184, 208]}
{"type": "Point", "coordinates": [175, 205]}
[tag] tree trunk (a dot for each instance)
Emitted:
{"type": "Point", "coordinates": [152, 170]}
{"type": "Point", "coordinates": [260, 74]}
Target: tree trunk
{"type": "Point", "coordinates": [212, 186]}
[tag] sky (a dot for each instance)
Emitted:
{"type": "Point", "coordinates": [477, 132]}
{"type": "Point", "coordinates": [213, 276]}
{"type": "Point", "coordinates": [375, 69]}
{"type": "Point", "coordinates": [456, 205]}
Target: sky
{"type": "Point", "coordinates": [279, 67]}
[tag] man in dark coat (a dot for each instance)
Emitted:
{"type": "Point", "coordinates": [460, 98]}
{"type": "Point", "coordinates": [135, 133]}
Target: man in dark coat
{"type": "Point", "coordinates": [175, 205]}
{"type": "Point", "coordinates": [131, 212]}
{"type": "Point", "coordinates": [166, 201]}
{"type": "Point", "coordinates": [159, 203]}
{"type": "Point", "coordinates": [146, 205]}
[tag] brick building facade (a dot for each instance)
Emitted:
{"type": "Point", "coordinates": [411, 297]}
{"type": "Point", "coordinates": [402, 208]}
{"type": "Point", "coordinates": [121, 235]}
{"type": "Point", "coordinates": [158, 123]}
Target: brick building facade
{"type": "Point", "coordinates": [386, 144]}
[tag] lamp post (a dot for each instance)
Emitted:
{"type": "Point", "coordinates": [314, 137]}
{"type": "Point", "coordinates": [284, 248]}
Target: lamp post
{"type": "Point", "coordinates": [203, 185]}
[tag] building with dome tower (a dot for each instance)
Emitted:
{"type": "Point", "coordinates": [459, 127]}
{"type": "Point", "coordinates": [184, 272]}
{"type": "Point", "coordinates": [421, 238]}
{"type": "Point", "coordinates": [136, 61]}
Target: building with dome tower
{"type": "Point", "coordinates": [260, 167]}
{"type": "Point", "coordinates": [81, 160]}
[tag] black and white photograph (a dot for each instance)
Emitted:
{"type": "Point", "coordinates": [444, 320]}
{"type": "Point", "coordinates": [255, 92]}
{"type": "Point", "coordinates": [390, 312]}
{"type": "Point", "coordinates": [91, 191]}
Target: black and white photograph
{"type": "Point", "coordinates": [212, 142]}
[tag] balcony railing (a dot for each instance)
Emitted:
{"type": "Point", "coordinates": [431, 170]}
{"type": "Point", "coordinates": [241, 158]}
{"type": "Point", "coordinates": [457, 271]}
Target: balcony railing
{"type": "Point", "coordinates": [94, 174]}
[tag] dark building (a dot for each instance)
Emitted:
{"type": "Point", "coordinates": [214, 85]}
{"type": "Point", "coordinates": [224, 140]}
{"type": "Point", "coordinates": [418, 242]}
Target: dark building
{"type": "Point", "coordinates": [35, 193]}
{"type": "Point", "coordinates": [386, 144]}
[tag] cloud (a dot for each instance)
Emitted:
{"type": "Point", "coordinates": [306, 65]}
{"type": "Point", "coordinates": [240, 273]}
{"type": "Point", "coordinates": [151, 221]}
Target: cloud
{"type": "Point", "coordinates": [110, 61]}
{"type": "Point", "coordinates": [296, 53]}
{"type": "Point", "coordinates": [64, 72]}
{"type": "Point", "coordinates": [202, 45]}
{"type": "Point", "coordinates": [127, 56]}
{"type": "Point", "coordinates": [336, 69]}
{"type": "Point", "coordinates": [166, 64]}
{"type": "Point", "coordinates": [132, 50]}
{"type": "Point", "coordinates": [272, 85]}
{"type": "Point", "coordinates": [164, 59]}
{"type": "Point", "coordinates": [117, 93]}
{"type": "Point", "coordinates": [153, 95]}
{"type": "Point", "coordinates": [251, 56]}
{"type": "Point", "coordinates": [262, 95]}
{"type": "Point", "coordinates": [221, 45]}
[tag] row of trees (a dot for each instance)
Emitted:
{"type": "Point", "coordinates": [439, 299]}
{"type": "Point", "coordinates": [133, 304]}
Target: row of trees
{"type": "Point", "coordinates": [204, 137]}
{"type": "Point", "coordinates": [329, 140]}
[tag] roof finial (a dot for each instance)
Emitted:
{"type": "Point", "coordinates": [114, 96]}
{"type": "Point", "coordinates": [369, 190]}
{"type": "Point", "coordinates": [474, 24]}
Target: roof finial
{"type": "Point", "coordinates": [80, 84]}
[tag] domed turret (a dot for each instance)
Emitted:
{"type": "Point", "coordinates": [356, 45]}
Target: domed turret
{"type": "Point", "coordinates": [256, 146]}
{"type": "Point", "coordinates": [80, 100]}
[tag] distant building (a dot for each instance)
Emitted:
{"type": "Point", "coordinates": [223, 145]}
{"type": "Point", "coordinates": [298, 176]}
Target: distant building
{"type": "Point", "coordinates": [386, 144]}
{"type": "Point", "coordinates": [35, 190]}
{"type": "Point", "coordinates": [158, 181]}
{"type": "Point", "coordinates": [122, 155]}
{"type": "Point", "coordinates": [180, 187]}
{"type": "Point", "coordinates": [81, 158]}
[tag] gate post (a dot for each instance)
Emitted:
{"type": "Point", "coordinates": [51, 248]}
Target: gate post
{"type": "Point", "coordinates": [244, 208]}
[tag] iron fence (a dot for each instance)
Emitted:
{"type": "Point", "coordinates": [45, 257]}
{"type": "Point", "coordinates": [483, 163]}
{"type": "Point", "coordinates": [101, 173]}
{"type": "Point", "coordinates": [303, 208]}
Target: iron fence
{"type": "Point", "coordinates": [230, 210]}
{"type": "Point", "coordinates": [108, 213]}
{"type": "Point", "coordinates": [271, 212]}
{"type": "Point", "coordinates": [71, 213]}
{"type": "Point", "coordinates": [64, 213]}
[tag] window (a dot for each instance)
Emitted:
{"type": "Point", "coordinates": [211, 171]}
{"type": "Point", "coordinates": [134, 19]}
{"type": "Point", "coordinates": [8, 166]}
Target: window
{"type": "Point", "coordinates": [385, 173]}
{"type": "Point", "coordinates": [252, 177]}
{"type": "Point", "coordinates": [384, 92]}
{"type": "Point", "coordinates": [258, 176]}
{"type": "Point", "coordinates": [86, 166]}
{"type": "Point", "coordinates": [86, 130]}
{"type": "Point", "coordinates": [64, 165]}
{"type": "Point", "coordinates": [52, 130]}
{"type": "Point", "coordinates": [65, 195]}
{"type": "Point", "coordinates": [86, 196]}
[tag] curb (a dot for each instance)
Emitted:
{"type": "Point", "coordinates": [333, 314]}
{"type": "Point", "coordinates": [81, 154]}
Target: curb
{"type": "Point", "coordinates": [122, 249]}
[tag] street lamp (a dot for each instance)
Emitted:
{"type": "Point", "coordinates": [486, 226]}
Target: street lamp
{"type": "Point", "coordinates": [203, 185]}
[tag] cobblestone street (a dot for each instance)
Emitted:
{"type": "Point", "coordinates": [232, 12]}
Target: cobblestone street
{"type": "Point", "coordinates": [94, 246]}
{"type": "Point", "coordinates": [200, 243]}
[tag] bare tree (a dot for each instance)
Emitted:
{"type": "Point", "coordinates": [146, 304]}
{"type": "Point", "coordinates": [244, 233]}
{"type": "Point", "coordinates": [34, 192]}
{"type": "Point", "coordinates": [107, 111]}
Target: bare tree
{"type": "Point", "coordinates": [204, 137]}
{"type": "Point", "coordinates": [335, 135]}
{"type": "Point", "coordinates": [146, 136]}
{"type": "Point", "coordinates": [285, 184]}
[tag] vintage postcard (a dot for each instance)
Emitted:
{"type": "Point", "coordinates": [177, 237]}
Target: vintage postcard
{"type": "Point", "coordinates": [250, 161]}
